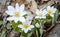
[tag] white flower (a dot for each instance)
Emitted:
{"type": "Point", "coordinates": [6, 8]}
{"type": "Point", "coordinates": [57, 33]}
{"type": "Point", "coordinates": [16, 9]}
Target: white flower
{"type": "Point", "coordinates": [37, 25]}
{"type": "Point", "coordinates": [26, 26]}
{"type": "Point", "coordinates": [16, 13]}
{"type": "Point", "coordinates": [51, 10]}
{"type": "Point", "coordinates": [30, 16]}
{"type": "Point", "coordinates": [41, 13]}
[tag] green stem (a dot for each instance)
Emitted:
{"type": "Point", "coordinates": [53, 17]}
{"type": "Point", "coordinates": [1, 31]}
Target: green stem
{"type": "Point", "coordinates": [41, 30]}
{"type": "Point", "coordinates": [37, 33]}
{"type": "Point", "coordinates": [23, 34]}
{"type": "Point", "coordinates": [52, 20]}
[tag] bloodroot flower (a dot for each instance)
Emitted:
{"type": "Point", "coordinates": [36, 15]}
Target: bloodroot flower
{"type": "Point", "coordinates": [26, 26]}
{"type": "Point", "coordinates": [41, 13]}
{"type": "Point", "coordinates": [51, 10]}
{"type": "Point", "coordinates": [16, 14]}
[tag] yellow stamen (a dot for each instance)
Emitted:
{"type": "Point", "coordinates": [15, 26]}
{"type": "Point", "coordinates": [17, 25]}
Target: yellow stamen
{"type": "Point", "coordinates": [16, 14]}
{"type": "Point", "coordinates": [40, 14]}
{"type": "Point", "coordinates": [26, 25]}
{"type": "Point", "coordinates": [50, 11]}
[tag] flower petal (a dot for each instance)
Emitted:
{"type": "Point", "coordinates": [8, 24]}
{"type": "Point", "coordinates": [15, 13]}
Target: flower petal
{"type": "Point", "coordinates": [31, 26]}
{"type": "Point", "coordinates": [36, 16]}
{"type": "Point", "coordinates": [52, 15]}
{"type": "Point", "coordinates": [45, 12]}
{"type": "Point", "coordinates": [30, 17]}
{"type": "Point", "coordinates": [22, 19]}
{"type": "Point", "coordinates": [16, 19]}
{"type": "Point", "coordinates": [55, 10]}
{"type": "Point", "coordinates": [22, 7]}
{"type": "Point", "coordinates": [10, 8]}
{"type": "Point", "coordinates": [25, 30]}
{"type": "Point", "coordinates": [48, 7]}
{"type": "Point", "coordinates": [20, 26]}
{"type": "Point", "coordinates": [17, 6]}
{"type": "Point", "coordinates": [37, 11]}
{"type": "Point", "coordinates": [9, 12]}
{"type": "Point", "coordinates": [23, 13]}
{"type": "Point", "coordinates": [10, 18]}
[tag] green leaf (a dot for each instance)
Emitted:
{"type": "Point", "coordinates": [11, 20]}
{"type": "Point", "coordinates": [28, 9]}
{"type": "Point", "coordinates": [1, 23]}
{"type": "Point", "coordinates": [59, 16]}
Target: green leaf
{"type": "Point", "coordinates": [54, 19]}
{"type": "Point", "coordinates": [3, 33]}
{"type": "Point", "coordinates": [25, 15]}
{"type": "Point", "coordinates": [29, 34]}
{"type": "Point", "coordinates": [1, 22]}
{"type": "Point", "coordinates": [56, 16]}
{"type": "Point", "coordinates": [48, 17]}
{"type": "Point", "coordinates": [48, 20]}
{"type": "Point", "coordinates": [17, 29]}
{"type": "Point", "coordinates": [8, 26]}
{"type": "Point", "coordinates": [15, 26]}
{"type": "Point", "coordinates": [34, 22]}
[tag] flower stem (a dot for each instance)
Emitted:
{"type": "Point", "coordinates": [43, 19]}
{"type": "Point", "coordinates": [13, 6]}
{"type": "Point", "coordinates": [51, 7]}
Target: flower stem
{"type": "Point", "coordinates": [37, 33]}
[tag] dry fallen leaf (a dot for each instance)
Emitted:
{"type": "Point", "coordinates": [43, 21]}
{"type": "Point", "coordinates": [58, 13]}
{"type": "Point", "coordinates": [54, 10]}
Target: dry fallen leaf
{"type": "Point", "coordinates": [18, 1]}
{"type": "Point", "coordinates": [33, 6]}
{"type": "Point", "coordinates": [44, 0]}
{"type": "Point", "coordinates": [29, 1]}
{"type": "Point", "coordinates": [45, 5]}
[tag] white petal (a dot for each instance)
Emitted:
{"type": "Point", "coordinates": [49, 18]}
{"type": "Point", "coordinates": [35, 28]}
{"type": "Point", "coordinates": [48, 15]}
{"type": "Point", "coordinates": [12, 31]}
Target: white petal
{"type": "Point", "coordinates": [22, 19]}
{"type": "Point", "coordinates": [16, 19]}
{"type": "Point", "coordinates": [36, 16]}
{"type": "Point", "coordinates": [25, 30]}
{"type": "Point", "coordinates": [30, 17]}
{"type": "Point", "coordinates": [9, 12]}
{"type": "Point", "coordinates": [20, 26]}
{"type": "Point", "coordinates": [48, 7]}
{"type": "Point", "coordinates": [52, 15]}
{"type": "Point", "coordinates": [23, 13]}
{"type": "Point", "coordinates": [31, 26]}
{"type": "Point", "coordinates": [55, 9]}
{"type": "Point", "coordinates": [10, 8]}
{"type": "Point", "coordinates": [37, 11]}
{"type": "Point", "coordinates": [29, 13]}
{"type": "Point", "coordinates": [41, 10]}
{"type": "Point", "coordinates": [52, 7]}
{"type": "Point", "coordinates": [10, 18]}
{"type": "Point", "coordinates": [45, 12]}
{"type": "Point", "coordinates": [17, 6]}
{"type": "Point", "coordinates": [22, 7]}
{"type": "Point", "coordinates": [29, 22]}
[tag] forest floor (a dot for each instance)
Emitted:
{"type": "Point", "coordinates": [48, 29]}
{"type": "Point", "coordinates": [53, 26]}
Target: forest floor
{"type": "Point", "coordinates": [55, 32]}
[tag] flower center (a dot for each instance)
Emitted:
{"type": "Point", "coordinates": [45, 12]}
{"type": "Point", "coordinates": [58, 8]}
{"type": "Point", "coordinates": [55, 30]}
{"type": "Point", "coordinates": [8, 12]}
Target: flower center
{"type": "Point", "coordinates": [50, 11]}
{"type": "Point", "coordinates": [26, 25]}
{"type": "Point", "coordinates": [40, 14]}
{"type": "Point", "coordinates": [16, 14]}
